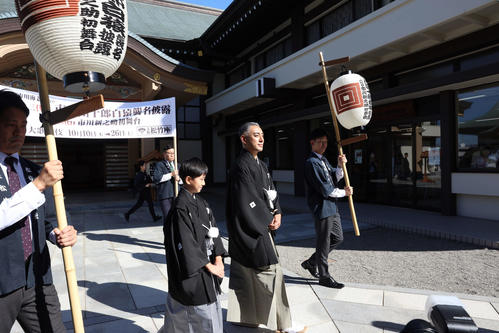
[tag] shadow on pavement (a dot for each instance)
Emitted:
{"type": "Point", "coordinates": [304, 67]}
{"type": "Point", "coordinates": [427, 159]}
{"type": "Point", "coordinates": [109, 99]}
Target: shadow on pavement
{"type": "Point", "coordinates": [151, 257]}
{"type": "Point", "coordinates": [388, 326]}
{"type": "Point", "coordinates": [108, 324]}
{"type": "Point", "coordinates": [299, 280]}
{"type": "Point", "coordinates": [123, 296]}
{"type": "Point", "coordinates": [124, 239]}
{"type": "Point", "coordinates": [381, 239]}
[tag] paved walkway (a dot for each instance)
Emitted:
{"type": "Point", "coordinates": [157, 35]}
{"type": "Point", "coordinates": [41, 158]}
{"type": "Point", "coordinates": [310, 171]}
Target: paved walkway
{"type": "Point", "coordinates": [123, 284]}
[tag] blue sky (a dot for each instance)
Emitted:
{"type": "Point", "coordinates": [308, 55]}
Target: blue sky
{"type": "Point", "coordinates": [219, 4]}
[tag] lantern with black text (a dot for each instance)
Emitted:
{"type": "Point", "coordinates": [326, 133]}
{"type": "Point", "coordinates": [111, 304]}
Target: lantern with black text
{"type": "Point", "coordinates": [81, 42]}
{"type": "Point", "coordinates": [351, 100]}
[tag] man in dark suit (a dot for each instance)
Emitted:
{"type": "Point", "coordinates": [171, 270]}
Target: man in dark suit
{"type": "Point", "coordinates": [26, 289]}
{"type": "Point", "coordinates": [321, 179]}
{"type": "Point", "coordinates": [165, 177]}
{"type": "Point", "coordinates": [141, 185]}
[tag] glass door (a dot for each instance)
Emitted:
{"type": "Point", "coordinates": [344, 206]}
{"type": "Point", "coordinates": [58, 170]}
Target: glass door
{"type": "Point", "coordinates": [402, 168]}
{"type": "Point", "coordinates": [403, 165]}
{"type": "Point", "coordinates": [378, 165]}
{"type": "Point", "coordinates": [428, 179]}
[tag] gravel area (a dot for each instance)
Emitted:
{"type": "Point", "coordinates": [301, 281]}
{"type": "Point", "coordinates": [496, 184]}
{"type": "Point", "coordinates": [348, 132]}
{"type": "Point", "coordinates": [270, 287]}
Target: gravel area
{"type": "Point", "coordinates": [392, 258]}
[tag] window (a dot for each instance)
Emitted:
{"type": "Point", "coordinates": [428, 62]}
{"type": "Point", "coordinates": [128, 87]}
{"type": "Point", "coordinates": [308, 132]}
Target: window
{"type": "Point", "coordinates": [188, 120]}
{"type": "Point", "coordinates": [337, 19]}
{"type": "Point", "coordinates": [274, 54]}
{"type": "Point", "coordinates": [478, 128]}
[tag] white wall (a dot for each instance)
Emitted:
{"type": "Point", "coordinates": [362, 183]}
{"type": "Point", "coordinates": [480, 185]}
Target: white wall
{"type": "Point", "coordinates": [477, 194]}
{"type": "Point", "coordinates": [479, 206]}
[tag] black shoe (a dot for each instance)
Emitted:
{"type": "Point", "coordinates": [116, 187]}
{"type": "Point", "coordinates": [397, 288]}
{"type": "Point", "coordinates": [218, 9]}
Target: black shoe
{"type": "Point", "coordinates": [330, 283]}
{"type": "Point", "coordinates": [310, 268]}
{"type": "Point", "coordinates": [127, 217]}
{"type": "Point", "coordinates": [157, 218]}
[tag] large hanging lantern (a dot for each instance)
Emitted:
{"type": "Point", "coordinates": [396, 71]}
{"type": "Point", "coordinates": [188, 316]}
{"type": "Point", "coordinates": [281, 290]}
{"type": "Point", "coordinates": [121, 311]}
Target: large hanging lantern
{"type": "Point", "coordinates": [352, 100]}
{"type": "Point", "coordinates": [81, 42]}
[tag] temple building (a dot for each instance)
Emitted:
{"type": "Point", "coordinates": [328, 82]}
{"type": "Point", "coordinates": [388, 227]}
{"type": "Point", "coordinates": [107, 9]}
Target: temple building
{"type": "Point", "coordinates": [433, 70]}
{"type": "Point", "coordinates": [147, 73]}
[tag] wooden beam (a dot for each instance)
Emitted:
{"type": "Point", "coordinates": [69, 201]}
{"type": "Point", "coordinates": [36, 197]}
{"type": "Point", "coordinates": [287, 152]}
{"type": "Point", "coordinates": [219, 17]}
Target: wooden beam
{"type": "Point", "coordinates": [335, 61]}
{"type": "Point", "coordinates": [76, 110]}
{"type": "Point", "coordinates": [354, 139]}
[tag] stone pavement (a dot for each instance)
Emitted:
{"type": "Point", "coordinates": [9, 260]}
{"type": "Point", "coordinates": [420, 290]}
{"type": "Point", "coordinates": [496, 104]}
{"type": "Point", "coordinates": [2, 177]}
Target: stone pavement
{"type": "Point", "coordinates": [123, 285]}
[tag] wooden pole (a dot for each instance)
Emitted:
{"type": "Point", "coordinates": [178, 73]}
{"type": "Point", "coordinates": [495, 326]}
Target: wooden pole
{"type": "Point", "coordinates": [62, 222]}
{"type": "Point", "coordinates": [175, 162]}
{"type": "Point", "coordinates": [338, 140]}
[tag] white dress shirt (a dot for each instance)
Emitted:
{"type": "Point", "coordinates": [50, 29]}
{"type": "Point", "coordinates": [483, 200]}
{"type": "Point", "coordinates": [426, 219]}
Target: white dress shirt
{"type": "Point", "coordinates": [27, 199]}
{"type": "Point", "coordinates": [337, 192]}
{"type": "Point", "coordinates": [167, 176]}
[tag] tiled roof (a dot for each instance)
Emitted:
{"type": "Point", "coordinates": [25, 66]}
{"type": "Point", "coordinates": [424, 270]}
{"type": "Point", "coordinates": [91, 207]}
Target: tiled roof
{"type": "Point", "coordinates": [161, 19]}
{"type": "Point", "coordinates": [158, 19]}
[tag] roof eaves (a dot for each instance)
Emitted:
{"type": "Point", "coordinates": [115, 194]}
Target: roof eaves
{"type": "Point", "coordinates": [7, 15]}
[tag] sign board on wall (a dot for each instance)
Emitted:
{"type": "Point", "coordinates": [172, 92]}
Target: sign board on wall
{"type": "Point", "coordinates": [117, 120]}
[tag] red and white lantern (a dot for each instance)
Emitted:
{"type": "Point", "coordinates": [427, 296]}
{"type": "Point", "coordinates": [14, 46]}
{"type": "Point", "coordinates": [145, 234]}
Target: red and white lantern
{"type": "Point", "coordinates": [80, 42]}
{"type": "Point", "coordinates": [352, 100]}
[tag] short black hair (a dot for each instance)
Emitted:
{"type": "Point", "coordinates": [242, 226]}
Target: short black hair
{"type": "Point", "coordinates": [243, 130]}
{"type": "Point", "coordinates": [9, 99]}
{"type": "Point", "coordinates": [141, 163]}
{"type": "Point", "coordinates": [318, 133]}
{"type": "Point", "coordinates": [193, 168]}
{"type": "Point", "coordinates": [167, 147]}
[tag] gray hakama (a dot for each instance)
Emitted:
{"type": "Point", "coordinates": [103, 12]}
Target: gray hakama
{"type": "Point", "coordinates": [258, 296]}
{"type": "Point", "coordinates": [206, 318]}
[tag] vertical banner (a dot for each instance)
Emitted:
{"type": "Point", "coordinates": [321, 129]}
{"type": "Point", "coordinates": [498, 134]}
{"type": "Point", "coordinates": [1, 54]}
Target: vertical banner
{"type": "Point", "coordinates": [117, 120]}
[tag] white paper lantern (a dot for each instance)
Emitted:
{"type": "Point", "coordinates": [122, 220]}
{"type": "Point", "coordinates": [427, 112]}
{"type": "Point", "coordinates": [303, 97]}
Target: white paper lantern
{"type": "Point", "coordinates": [80, 42]}
{"type": "Point", "coordinates": [352, 100]}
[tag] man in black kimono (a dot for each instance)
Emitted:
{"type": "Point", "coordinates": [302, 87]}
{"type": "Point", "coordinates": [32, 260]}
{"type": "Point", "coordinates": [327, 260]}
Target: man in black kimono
{"type": "Point", "coordinates": [258, 294]}
{"type": "Point", "coordinates": [142, 185]}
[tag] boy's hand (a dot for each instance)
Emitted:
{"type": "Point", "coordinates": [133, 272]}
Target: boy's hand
{"type": "Point", "coordinates": [217, 269]}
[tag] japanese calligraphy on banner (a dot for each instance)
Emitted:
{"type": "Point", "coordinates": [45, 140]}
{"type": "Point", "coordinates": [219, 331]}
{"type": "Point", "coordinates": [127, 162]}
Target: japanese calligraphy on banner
{"type": "Point", "coordinates": [117, 120]}
{"type": "Point", "coordinates": [71, 36]}
{"type": "Point", "coordinates": [103, 29]}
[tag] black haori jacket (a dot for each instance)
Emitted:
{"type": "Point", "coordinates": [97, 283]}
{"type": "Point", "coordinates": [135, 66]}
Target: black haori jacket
{"type": "Point", "coordinates": [189, 282]}
{"type": "Point", "coordinates": [248, 212]}
{"type": "Point", "coordinates": [13, 273]}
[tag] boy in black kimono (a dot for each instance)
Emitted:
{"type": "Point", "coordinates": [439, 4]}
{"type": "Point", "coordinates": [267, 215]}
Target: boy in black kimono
{"type": "Point", "coordinates": [194, 258]}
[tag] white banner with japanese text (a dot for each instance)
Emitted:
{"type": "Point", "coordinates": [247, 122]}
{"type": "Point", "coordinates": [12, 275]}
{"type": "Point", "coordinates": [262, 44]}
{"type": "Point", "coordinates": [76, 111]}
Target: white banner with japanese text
{"type": "Point", "coordinates": [117, 120]}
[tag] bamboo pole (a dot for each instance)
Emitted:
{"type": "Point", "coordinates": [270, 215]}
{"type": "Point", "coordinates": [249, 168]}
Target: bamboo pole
{"type": "Point", "coordinates": [338, 140]}
{"type": "Point", "coordinates": [175, 162]}
{"type": "Point", "coordinates": [62, 222]}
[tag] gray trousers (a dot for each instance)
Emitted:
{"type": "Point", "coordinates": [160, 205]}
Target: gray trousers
{"type": "Point", "coordinates": [329, 234]}
{"type": "Point", "coordinates": [36, 309]}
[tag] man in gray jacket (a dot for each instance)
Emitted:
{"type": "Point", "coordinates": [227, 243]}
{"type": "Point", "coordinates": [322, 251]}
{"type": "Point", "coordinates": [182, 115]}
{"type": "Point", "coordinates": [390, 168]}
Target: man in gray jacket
{"type": "Point", "coordinates": [165, 177]}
